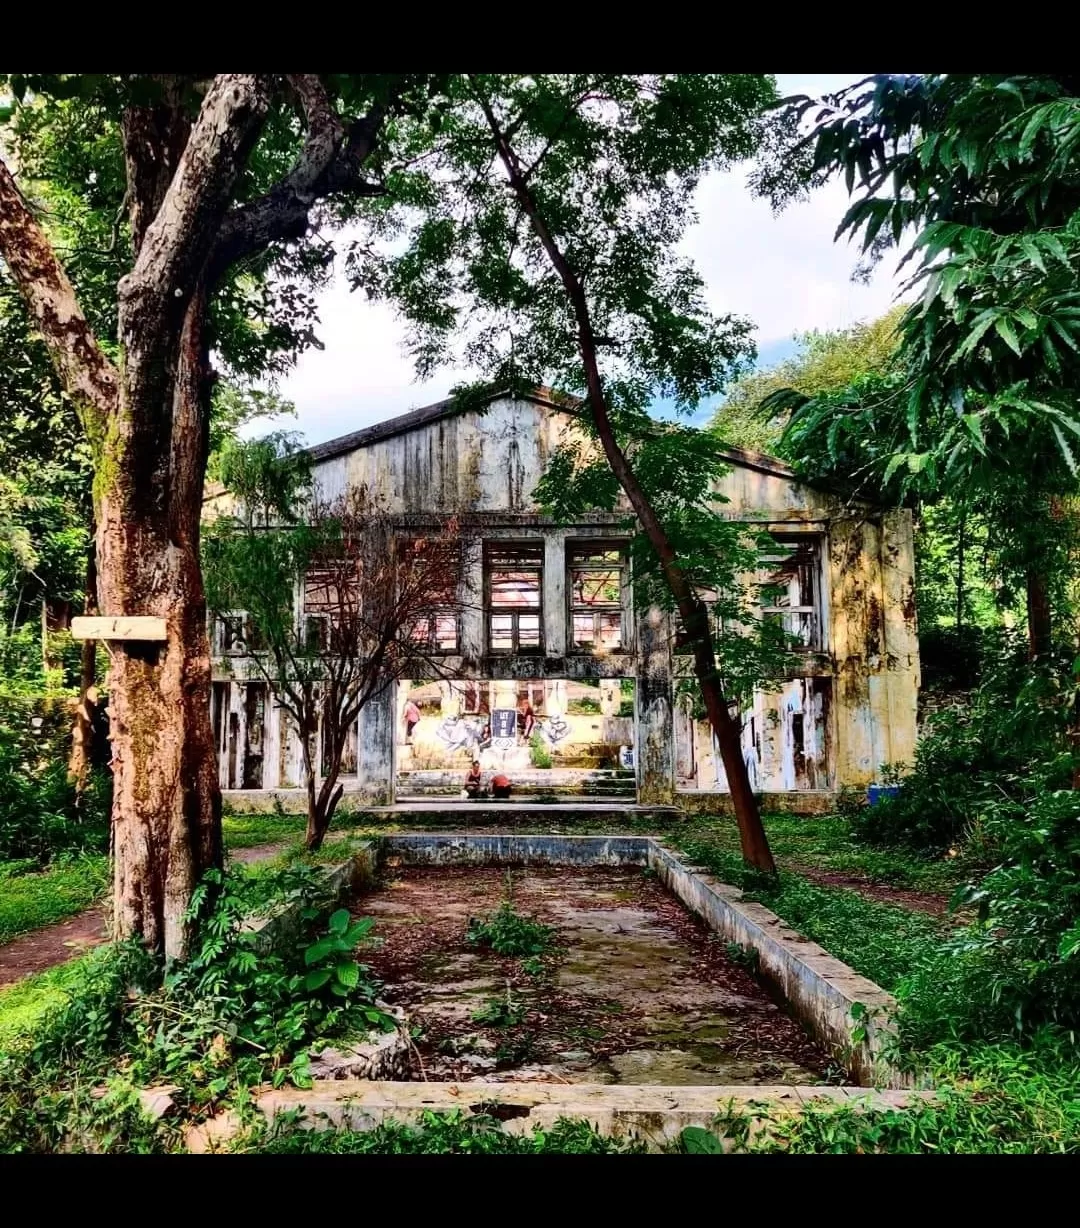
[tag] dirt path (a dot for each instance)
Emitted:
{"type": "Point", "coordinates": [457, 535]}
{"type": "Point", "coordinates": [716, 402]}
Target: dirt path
{"type": "Point", "coordinates": [56, 944]}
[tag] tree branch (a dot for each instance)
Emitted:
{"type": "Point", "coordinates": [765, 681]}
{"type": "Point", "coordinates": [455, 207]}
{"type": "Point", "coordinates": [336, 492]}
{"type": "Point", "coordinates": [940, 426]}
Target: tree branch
{"type": "Point", "coordinates": [331, 160]}
{"type": "Point", "coordinates": [154, 136]}
{"type": "Point", "coordinates": [181, 236]}
{"type": "Point", "coordinates": [88, 377]}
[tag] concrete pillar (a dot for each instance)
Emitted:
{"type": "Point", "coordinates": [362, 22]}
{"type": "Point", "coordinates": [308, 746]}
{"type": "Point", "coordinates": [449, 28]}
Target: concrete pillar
{"type": "Point", "coordinates": [375, 749]}
{"type": "Point", "coordinates": [654, 724]}
{"type": "Point", "coordinates": [272, 752]}
{"type": "Point", "coordinates": [610, 696]}
{"type": "Point", "coordinates": [555, 611]}
{"type": "Point", "coordinates": [471, 598]}
{"type": "Point", "coordinates": [556, 700]}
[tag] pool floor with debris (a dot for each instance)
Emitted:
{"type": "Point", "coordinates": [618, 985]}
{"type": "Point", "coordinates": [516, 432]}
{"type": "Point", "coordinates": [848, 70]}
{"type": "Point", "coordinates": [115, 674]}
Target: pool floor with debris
{"type": "Point", "coordinates": [633, 988]}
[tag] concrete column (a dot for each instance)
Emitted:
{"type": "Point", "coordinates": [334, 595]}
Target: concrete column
{"type": "Point", "coordinates": [654, 724]}
{"type": "Point", "coordinates": [610, 696]}
{"type": "Point", "coordinates": [471, 597]}
{"type": "Point", "coordinates": [555, 595]}
{"type": "Point", "coordinates": [375, 749]}
{"type": "Point", "coordinates": [272, 745]}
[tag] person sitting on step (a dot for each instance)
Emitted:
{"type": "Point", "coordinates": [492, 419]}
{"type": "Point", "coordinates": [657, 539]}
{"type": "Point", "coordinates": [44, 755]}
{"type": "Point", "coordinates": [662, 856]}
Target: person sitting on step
{"type": "Point", "coordinates": [474, 781]}
{"type": "Point", "coordinates": [500, 787]}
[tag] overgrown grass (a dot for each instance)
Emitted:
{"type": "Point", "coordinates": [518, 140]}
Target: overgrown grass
{"type": "Point", "coordinates": [245, 831]}
{"type": "Point", "coordinates": [829, 843]}
{"type": "Point", "coordinates": [25, 1003]}
{"type": "Point", "coordinates": [882, 941]}
{"type": "Point", "coordinates": [30, 901]}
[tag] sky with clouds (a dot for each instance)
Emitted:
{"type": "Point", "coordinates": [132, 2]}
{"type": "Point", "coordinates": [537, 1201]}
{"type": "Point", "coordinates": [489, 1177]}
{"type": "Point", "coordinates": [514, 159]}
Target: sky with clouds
{"type": "Point", "coordinates": [784, 272]}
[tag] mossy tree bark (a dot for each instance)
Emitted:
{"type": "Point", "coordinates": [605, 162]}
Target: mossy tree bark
{"type": "Point", "coordinates": [148, 421]}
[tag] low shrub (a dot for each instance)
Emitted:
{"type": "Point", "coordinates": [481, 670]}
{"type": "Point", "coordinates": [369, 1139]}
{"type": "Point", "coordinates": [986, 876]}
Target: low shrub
{"type": "Point", "coordinates": [979, 760]}
{"type": "Point", "coordinates": [539, 754]}
{"type": "Point", "coordinates": [506, 932]}
{"type": "Point", "coordinates": [40, 813]}
{"type": "Point", "coordinates": [436, 1134]}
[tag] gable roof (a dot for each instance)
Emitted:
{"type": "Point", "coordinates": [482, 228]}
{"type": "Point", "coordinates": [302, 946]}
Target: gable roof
{"type": "Point", "coordinates": [451, 406]}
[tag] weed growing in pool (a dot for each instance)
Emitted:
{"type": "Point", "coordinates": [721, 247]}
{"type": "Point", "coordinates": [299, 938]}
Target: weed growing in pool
{"type": "Point", "coordinates": [507, 932]}
{"type": "Point", "coordinates": [505, 1011]}
{"type": "Point", "coordinates": [746, 957]}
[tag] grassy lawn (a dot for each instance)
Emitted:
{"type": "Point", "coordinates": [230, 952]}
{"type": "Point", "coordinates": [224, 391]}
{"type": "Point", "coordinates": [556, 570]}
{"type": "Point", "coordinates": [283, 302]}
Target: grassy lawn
{"type": "Point", "coordinates": [882, 941]}
{"type": "Point", "coordinates": [245, 831]}
{"type": "Point", "coordinates": [29, 901]}
{"type": "Point", "coordinates": [826, 843]}
{"type": "Point", "coordinates": [25, 1002]}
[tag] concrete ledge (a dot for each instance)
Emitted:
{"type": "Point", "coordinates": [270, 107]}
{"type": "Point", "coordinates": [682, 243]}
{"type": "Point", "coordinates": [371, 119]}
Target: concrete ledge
{"type": "Point", "coordinates": [820, 989]}
{"type": "Point", "coordinates": [654, 1114]}
{"type": "Point", "coordinates": [340, 881]}
{"type": "Point", "coordinates": [456, 849]}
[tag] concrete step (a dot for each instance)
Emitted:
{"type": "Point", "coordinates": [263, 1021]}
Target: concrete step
{"type": "Point", "coordinates": [461, 812]}
{"type": "Point", "coordinates": [615, 792]}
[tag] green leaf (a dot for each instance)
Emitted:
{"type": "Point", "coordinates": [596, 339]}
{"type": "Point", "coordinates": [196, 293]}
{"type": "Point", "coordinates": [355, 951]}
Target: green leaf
{"type": "Point", "coordinates": [348, 974]}
{"type": "Point", "coordinates": [1008, 334]}
{"type": "Point", "coordinates": [316, 979]}
{"type": "Point", "coordinates": [357, 931]}
{"type": "Point", "coordinates": [696, 1140]}
{"type": "Point", "coordinates": [339, 922]}
{"type": "Point", "coordinates": [319, 950]}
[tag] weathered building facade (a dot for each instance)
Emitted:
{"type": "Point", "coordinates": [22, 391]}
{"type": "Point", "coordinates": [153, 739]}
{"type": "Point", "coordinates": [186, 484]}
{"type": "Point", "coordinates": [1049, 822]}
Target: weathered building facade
{"type": "Point", "coordinates": [545, 606]}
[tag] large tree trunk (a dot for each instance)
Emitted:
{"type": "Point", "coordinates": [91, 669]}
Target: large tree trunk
{"type": "Point", "coordinates": [167, 803]}
{"type": "Point", "coordinates": [148, 423]}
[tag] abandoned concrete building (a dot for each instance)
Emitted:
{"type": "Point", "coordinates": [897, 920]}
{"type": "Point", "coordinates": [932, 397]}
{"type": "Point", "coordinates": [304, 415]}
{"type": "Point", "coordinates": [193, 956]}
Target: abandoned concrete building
{"type": "Point", "coordinates": [555, 635]}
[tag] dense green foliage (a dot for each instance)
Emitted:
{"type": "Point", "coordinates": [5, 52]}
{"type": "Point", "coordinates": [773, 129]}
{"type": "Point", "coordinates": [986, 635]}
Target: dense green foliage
{"type": "Point", "coordinates": [983, 760]}
{"type": "Point", "coordinates": [41, 816]}
{"type": "Point", "coordinates": [234, 1015]}
{"type": "Point", "coordinates": [824, 362]}
{"type": "Point", "coordinates": [981, 401]}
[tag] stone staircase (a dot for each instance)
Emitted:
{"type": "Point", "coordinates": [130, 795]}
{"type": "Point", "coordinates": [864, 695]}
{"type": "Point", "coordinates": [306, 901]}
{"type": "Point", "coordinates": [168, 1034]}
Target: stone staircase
{"type": "Point", "coordinates": [559, 784]}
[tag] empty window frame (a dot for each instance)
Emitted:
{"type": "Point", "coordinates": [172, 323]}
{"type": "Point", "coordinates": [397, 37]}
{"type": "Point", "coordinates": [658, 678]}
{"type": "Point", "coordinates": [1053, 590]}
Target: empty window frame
{"type": "Point", "coordinates": [232, 634]}
{"type": "Point", "coordinates": [513, 587]}
{"type": "Point", "coordinates": [596, 604]}
{"type": "Point", "coordinates": [436, 625]}
{"type": "Point", "coordinates": [790, 588]}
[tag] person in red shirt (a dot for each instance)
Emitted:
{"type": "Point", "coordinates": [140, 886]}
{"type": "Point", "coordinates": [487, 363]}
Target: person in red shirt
{"type": "Point", "coordinates": [526, 719]}
{"type": "Point", "coordinates": [500, 786]}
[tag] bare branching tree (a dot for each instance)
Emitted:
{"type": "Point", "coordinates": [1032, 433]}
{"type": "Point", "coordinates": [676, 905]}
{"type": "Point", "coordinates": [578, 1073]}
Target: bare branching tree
{"type": "Point", "coordinates": [338, 604]}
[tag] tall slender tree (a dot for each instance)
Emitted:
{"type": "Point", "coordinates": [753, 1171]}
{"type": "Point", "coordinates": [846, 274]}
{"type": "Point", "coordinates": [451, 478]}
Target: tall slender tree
{"type": "Point", "coordinates": [552, 225]}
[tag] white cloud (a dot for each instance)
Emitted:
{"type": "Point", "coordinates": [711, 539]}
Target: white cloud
{"type": "Point", "coordinates": [785, 273]}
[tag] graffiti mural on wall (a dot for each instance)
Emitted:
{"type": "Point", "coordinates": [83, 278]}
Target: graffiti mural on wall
{"type": "Point", "coordinates": [554, 730]}
{"type": "Point", "coordinates": [459, 733]}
